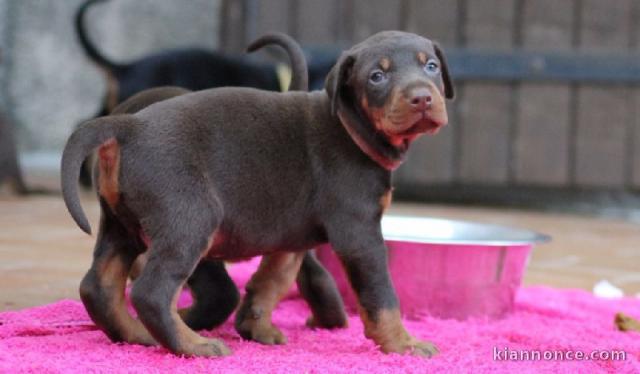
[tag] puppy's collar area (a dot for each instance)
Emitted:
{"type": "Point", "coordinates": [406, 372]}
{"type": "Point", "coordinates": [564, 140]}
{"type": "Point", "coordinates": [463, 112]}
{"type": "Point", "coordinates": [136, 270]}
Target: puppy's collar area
{"type": "Point", "coordinates": [373, 143]}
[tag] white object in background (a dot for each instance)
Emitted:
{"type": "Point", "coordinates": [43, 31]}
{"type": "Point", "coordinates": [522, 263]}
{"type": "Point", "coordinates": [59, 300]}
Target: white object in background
{"type": "Point", "coordinates": [607, 290]}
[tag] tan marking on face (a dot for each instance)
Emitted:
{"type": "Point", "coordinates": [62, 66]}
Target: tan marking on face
{"type": "Point", "coordinates": [438, 110]}
{"type": "Point", "coordinates": [385, 64]}
{"type": "Point", "coordinates": [385, 199]}
{"type": "Point", "coordinates": [387, 330]}
{"type": "Point", "coordinates": [422, 57]}
{"type": "Point", "coordinates": [379, 115]}
{"type": "Point", "coordinates": [109, 168]}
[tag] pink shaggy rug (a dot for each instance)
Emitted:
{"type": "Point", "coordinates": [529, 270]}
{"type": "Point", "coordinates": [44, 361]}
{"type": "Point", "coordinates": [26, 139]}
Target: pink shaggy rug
{"type": "Point", "coordinates": [60, 338]}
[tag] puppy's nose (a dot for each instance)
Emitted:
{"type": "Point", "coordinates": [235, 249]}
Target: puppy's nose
{"type": "Point", "coordinates": [420, 99]}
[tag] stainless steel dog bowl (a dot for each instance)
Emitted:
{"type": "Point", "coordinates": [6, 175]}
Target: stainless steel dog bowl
{"type": "Point", "coordinates": [449, 269]}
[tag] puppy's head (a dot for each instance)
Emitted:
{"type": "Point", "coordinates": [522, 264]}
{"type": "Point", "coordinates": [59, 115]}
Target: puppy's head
{"type": "Point", "coordinates": [394, 84]}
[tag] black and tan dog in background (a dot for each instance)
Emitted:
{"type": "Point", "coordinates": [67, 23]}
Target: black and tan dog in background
{"type": "Point", "coordinates": [191, 68]}
{"type": "Point", "coordinates": [231, 173]}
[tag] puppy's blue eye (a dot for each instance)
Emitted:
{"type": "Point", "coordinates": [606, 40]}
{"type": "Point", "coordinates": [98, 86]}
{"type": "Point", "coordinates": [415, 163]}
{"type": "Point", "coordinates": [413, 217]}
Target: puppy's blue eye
{"type": "Point", "coordinates": [377, 76]}
{"type": "Point", "coordinates": [431, 67]}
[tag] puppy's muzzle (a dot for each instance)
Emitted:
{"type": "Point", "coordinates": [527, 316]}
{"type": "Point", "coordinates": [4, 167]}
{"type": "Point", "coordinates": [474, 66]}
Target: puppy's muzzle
{"type": "Point", "coordinates": [420, 99]}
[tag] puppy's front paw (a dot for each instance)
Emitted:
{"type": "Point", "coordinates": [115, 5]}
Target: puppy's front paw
{"type": "Point", "coordinates": [423, 349]}
{"type": "Point", "coordinates": [412, 346]}
{"type": "Point", "coordinates": [261, 331]}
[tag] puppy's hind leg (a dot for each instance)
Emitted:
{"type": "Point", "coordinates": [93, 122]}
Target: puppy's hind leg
{"type": "Point", "coordinates": [102, 288]}
{"type": "Point", "coordinates": [178, 241]}
{"type": "Point", "coordinates": [321, 294]}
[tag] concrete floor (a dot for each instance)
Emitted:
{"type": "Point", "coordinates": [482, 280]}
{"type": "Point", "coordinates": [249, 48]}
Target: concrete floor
{"type": "Point", "coordinates": [43, 255]}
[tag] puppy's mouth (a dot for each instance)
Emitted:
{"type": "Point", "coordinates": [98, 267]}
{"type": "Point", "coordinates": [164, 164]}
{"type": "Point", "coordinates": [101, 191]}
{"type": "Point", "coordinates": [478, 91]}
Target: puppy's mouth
{"type": "Point", "coordinates": [420, 123]}
{"type": "Point", "coordinates": [424, 124]}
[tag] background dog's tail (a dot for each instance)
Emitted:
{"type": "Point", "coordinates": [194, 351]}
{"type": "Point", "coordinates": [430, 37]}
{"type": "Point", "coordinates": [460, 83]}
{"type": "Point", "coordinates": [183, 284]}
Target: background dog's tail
{"type": "Point", "coordinates": [96, 56]}
{"type": "Point", "coordinates": [82, 142]}
{"type": "Point", "coordinates": [300, 75]}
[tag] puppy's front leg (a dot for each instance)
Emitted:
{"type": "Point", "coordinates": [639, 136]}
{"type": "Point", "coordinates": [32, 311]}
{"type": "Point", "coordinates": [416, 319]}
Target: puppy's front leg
{"type": "Point", "coordinates": [364, 256]}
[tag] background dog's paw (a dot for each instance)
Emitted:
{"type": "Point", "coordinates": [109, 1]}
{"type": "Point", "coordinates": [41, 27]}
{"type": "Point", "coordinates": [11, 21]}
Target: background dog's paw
{"type": "Point", "coordinates": [337, 323]}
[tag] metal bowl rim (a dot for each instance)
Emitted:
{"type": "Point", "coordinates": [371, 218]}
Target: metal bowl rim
{"type": "Point", "coordinates": [528, 237]}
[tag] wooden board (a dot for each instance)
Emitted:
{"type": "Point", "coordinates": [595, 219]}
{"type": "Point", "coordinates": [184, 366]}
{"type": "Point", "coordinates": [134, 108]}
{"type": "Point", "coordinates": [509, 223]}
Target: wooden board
{"type": "Point", "coordinates": [603, 112]}
{"type": "Point", "coordinates": [541, 149]}
{"type": "Point", "coordinates": [317, 22]}
{"type": "Point", "coordinates": [484, 127]}
{"type": "Point", "coordinates": [634, 141]}
{"type": "Point", "coordinates": [485, 113]}
{"type": "Point", "coordinates": [603, 117]}
{"type": "Point", "coordinates": [371, 16]}
{"type": "Point", "coordinates": [232, 31]}
{"type": "Point", "coordinates": [434, 19]}
{"type": "Point", "coordinates": [489, 24]}
{"type": "Point", "coordinates": [275, 15]}
{"type": "Point", "coordinates": [543, 121]}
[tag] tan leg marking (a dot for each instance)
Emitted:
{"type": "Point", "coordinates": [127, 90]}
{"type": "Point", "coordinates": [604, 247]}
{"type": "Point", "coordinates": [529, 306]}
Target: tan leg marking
{"type": "Point", "coordinates": [138, 265]}
{"type": "Point", "coordinates": [389, 333]}
{"type": "Point", "coordinates": [266, 288]}
{"type": "Point", "coordinates": [385, 199]}
{"type": "Point", "coordinates": [109, 167]}
{"type": "Point", "coordinates": [190, 342]}
{"type": "Point", "coordinates": [112, 274]}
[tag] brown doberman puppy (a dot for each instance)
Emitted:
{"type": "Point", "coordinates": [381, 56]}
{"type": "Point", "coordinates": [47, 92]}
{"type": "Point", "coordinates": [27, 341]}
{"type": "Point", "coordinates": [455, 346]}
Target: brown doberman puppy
{"type": "Point", "coordinates": [231, 173]}
{"type": "Point", "coordinates": [215, 295]}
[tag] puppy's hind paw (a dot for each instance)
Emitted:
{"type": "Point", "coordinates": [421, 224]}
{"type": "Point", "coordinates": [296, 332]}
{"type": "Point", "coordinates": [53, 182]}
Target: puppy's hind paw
{"type": "Point", "coordinates": [336, 323]}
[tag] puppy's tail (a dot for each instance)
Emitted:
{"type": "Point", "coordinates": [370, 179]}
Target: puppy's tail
{"type": "Point", "coordinates": [300, 75]}
{"type": "Point", "coordinates": [82, 142]}
{"type": "Point", "coordinates": [96, 56]}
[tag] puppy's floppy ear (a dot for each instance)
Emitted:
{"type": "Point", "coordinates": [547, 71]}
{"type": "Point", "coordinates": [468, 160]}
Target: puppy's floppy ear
{"type": "Point", "coordinates": [338, 78]}
{"type": "Point", "coordinates": [446, 78]}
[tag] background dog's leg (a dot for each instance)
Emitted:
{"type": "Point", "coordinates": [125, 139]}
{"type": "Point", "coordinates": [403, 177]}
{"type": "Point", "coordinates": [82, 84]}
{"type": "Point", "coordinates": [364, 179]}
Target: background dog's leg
{"type": "Point", "coordinates": [364, 256]}
{"type": "Point", "coordinates": [265, 289]}
{"type": "Point", "coordinates": [215, 296]}
{"type": "Point", "coordinates": [102, 289]}
{"type": "Point", "coordinates": [319, 290]}
{"type": "Point", "coordinates": [178, 242]}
